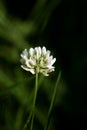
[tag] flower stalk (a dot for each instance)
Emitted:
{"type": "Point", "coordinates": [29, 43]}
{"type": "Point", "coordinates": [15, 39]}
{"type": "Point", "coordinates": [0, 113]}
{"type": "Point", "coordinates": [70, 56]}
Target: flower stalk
{"type": "Point", "coordinates": [35, 95]}
{"type": "Point", "coordinates": [31, 116]}
{"type": "Point", "coordinates": [52, 101]}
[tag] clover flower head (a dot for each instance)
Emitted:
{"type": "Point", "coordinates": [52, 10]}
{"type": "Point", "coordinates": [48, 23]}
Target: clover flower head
{"type": "Point", "coordinates": [37, 60]}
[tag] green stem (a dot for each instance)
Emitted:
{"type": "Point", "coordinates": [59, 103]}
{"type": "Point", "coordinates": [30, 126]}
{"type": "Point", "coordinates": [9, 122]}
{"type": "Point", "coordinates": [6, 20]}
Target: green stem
{"type": "Point", "coordinates": [35, 95]}
{"type": "Point", "coordinates": [53, 98]}
{"type": "Point", "coordinates": [28, 120]}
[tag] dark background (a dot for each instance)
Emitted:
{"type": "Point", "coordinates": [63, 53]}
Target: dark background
{"type": "Point", "coordinates": [61, 27]}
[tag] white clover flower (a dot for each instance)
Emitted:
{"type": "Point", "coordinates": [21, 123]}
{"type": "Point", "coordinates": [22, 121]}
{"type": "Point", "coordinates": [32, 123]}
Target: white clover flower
{"type": "Point", "coordinates": [37, 60]}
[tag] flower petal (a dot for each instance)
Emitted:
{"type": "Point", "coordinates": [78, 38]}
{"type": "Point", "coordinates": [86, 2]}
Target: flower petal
{"type": "Point", "coordinates": [47, 54]}
{"type": "Point", "coordinates": [53, 61]}
{"type": "Point", "coordinates": [28, 64]}
{"type": "Point", "coordinates": [27, 69]}
{"type": "Point", "coordinates": [43, 51]}
{"type": "Point", "coordinates": [25, 52]}
{"type": "Point", "coordinates": [31, 52]}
